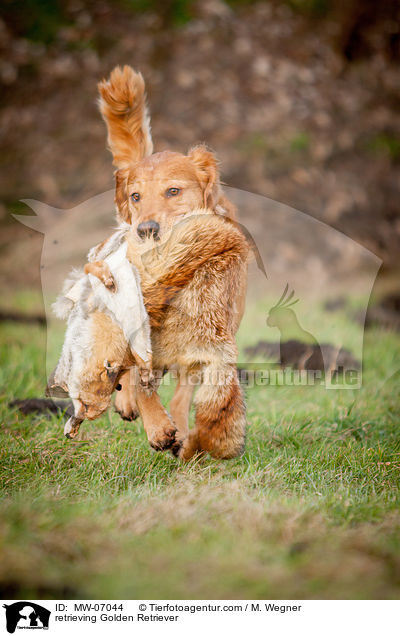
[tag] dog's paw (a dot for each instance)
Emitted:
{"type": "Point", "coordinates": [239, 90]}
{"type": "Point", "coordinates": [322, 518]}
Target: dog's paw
{"type": "Point", "coordinates": [163, 438]}
{"type": "Point", "coordinates": [189, 447]}
{"type": "Point", "coordinates": [177, 445]}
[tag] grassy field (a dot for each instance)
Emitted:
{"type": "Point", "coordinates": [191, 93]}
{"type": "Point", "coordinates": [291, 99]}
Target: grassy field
{"type": "Point", "coordinates": [311, 510]}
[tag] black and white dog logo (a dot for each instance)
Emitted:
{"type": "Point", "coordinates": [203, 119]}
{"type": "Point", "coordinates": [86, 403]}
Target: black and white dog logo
{"type": "Point", "coordinates": [26, 615]}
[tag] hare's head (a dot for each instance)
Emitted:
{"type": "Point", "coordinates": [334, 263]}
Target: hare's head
{"type": "Point", "coordinates": [281, 313]}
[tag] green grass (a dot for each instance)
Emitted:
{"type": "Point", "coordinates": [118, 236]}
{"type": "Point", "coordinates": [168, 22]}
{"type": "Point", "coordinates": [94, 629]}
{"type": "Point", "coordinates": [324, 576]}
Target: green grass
{"type": "Point", "coordinates": [311, 510]}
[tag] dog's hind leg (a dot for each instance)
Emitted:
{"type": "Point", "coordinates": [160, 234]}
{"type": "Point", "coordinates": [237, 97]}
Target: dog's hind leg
{"type": "Point", "coordinates": [220, 427]}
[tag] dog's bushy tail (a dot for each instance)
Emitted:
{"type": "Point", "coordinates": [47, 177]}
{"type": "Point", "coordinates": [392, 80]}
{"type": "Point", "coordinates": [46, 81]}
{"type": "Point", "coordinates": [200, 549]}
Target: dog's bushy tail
{"type": "Point", "coordinates": [123, 107]}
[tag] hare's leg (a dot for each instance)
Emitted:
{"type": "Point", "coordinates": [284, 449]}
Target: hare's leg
{"type": "Point", "coordinates": [101, 270]}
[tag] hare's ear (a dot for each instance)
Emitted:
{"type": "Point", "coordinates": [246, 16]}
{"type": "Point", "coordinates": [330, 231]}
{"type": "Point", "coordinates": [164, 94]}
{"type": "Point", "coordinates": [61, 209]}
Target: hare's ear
{"type": "Point", "coordinates": [122, 195]}
{"type": "Point", "coordinates": [207, 173]}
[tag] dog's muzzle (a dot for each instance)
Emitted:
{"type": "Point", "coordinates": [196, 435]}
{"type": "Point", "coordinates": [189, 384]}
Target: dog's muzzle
{"type": "Point", "coordinates": [148, 229]}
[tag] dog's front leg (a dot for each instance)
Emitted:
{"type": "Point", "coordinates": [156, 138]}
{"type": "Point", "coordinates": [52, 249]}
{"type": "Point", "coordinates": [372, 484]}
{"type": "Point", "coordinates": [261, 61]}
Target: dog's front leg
{"type": "Point", "coordinates": [158, 424]}
{"type": "Point", "coordinates": [134, 399]}
{"type": "Point", "coordinates": [159, 427]}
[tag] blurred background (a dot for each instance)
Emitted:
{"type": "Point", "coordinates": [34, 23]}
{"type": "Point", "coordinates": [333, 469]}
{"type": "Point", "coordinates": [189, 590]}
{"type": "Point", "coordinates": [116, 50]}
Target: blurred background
{"type": "Point", "coordinates": [299, 99]}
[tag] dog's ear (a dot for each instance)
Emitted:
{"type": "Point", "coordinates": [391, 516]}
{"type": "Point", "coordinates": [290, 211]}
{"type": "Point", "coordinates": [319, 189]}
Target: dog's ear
{"type": "Point", "coordinates": [207, 172]}
{"type": "Point", "coordinates": [122, 195]}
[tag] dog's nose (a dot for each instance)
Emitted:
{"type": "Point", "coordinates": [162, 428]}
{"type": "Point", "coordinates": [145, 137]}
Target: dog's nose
{"type": "Point", "coordinates": [148, 228]}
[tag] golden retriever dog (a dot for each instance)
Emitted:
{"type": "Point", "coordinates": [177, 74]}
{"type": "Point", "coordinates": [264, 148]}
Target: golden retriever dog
{"type": "Point", "coordinates": [196, 300]}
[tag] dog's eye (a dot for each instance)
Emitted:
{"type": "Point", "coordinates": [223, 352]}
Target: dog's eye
{"type": "Point", "coordinates": [172, 192]}
{"type": "Point", "coordinates": [135, 196]}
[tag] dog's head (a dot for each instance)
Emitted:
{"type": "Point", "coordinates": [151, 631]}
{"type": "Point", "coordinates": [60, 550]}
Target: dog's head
{"type": "Point", "coordinates": [155, 193]}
